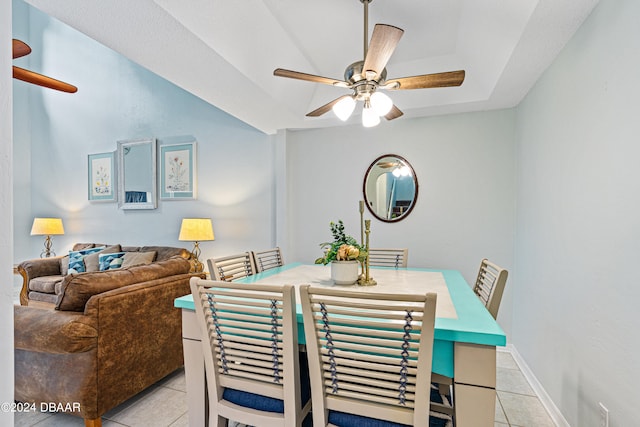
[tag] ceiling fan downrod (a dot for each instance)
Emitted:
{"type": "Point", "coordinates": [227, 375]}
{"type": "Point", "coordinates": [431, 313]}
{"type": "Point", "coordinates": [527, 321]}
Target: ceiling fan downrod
{"type": "Point", "coordinates": [366, 26]}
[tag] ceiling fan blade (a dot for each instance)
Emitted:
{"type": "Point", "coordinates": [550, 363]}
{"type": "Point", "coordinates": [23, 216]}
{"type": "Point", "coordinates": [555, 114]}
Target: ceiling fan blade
{"type": "Point", "coordinates": [20, 49]}
{"type": "Point", "coordinates": [281, 72]}
{"type": "Point", "coordinates": [383, 42]}
{"type": "Point", "coordinates": [326, 107]}
{"type": "Point", "coordinates": [448, 79]}
{"type": "Point", "coordinates": [40, 80]}
{"type": "Point", "coordinates": [394, 113]}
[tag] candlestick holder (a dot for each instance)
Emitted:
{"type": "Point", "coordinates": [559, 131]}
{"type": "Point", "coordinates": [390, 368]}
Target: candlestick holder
{"type": "Point", "coordinates": [366, 279]}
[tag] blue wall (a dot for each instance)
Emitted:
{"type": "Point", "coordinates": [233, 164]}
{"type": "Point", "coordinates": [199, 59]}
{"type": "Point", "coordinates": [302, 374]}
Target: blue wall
{"type": "Point", "coordinates": [118, 100]}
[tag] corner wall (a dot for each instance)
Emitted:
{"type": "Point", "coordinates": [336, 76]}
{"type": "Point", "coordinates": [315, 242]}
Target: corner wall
{"type": "Point", "coordinates": [575, 317]}
{"type": "Point", "coordinates": [6, 214]}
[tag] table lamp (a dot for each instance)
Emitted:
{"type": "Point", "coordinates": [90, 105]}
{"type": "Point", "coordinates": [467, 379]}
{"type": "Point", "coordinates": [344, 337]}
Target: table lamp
{"type": "Point", "coordinates": [196, 230]}
{"type": "Point", "coordinates": [47, 227]}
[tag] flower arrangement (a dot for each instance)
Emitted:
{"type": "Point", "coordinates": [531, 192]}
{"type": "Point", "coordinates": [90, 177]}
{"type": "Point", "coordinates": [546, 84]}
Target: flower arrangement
{"type": "Point", "coordinates": [343, 247]}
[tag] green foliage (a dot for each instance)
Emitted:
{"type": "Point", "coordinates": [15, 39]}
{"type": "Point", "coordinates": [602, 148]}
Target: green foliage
{"type": "Point", "coordinates": [344, 247]}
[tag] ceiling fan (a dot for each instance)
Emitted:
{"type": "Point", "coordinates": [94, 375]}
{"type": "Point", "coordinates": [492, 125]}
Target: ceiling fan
{"type": "Point", "coordinates": [367, 76]}
{"type": "Point", "coordinates": [21, 49]}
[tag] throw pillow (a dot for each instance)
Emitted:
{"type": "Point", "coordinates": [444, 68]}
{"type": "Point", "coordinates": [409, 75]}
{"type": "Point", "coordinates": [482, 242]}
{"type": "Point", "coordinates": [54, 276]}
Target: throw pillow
{"type": "Point", "coordinates": [110, 261]}
{"type": "Point", "coordinates": [64, 265]}
{"type": "Point", "coordinates": [76, 259]}
{"type": "Point", "coordinates": [138, 258]}
{"type": "Point", "coordinates": [91, 261]}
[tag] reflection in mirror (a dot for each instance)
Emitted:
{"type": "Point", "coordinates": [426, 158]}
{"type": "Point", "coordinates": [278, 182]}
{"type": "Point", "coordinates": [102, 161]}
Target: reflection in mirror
{"type": "Point", "coordinates": [390, 188]}
{"type": "Point", "coordinates": [137, 174]}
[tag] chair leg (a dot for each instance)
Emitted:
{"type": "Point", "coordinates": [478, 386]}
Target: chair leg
{"type": "Point", "coordinates": [96, 422]}
{"type": "Point", "coordinates": [444, 389]}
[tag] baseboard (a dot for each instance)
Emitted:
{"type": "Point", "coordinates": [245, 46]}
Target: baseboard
{"type": "Point", "coordinates": [545, 399]}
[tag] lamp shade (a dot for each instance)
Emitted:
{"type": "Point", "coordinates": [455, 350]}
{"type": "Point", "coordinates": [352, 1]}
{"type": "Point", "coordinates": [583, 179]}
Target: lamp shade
{"type": "Point", "coordinates": [47, 226]}
{"type": "Point", "coordinates": [196, 230]}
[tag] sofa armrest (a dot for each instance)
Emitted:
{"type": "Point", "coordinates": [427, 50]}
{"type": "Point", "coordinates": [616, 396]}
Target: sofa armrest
{"type": "Point", "coordinates": [41, 267]}
{"type": "Point", "coordinates": [37, 267]}
{"type": "Point", "coordinates": [52, 331]}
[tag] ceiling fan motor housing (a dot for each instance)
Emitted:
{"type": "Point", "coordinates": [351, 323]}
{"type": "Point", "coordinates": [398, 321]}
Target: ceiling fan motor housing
{"type": "Point", "coordinates": [354, 74]}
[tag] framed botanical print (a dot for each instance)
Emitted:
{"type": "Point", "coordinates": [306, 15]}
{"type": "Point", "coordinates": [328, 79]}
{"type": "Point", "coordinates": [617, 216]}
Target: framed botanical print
{"type": "Point", "coordinates": [178, 171]}
{"type": "Point", "coordinates": [101, 177]}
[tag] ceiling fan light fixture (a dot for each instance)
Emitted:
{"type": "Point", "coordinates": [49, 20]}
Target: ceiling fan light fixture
{"type": "Point", "coordinates": [344, 108]}
{"type": "Point", "coordinates": [369, 116]}
{"type": "Point", "coordinates": [381, 103]}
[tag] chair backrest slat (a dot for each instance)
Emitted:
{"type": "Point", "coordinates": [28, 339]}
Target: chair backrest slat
{"type": "Point", "coordinates": [270, 258]}
{"type": "Point", "coordinates": [232, 267]}
{"type": "Point", "coordinates": [382, 257]}
{"type": "Point", "coordinates": [251, 334]}
{"type": "Point", "coordinates": [371, 353]}
{"type": "Point", "coordinates": [490, 284]}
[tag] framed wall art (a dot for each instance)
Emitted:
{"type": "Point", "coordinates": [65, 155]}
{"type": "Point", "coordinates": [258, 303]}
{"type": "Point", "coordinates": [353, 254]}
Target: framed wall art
{"type": "Point", "coordinates": [178, 171]}
{"type": "Point", "coordinates": [101, 177]}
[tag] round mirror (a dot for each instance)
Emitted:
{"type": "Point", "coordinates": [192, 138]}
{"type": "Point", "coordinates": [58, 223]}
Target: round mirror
{"type": "Point", "coordinates": [390, 188]}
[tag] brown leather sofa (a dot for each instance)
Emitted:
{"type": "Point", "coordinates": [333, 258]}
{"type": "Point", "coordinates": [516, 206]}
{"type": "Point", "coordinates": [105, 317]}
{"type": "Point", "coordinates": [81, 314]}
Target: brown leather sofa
{"type": "Point", "coordinates": [111, 335]}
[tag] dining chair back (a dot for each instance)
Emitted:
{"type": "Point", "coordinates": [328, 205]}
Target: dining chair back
{"type": "Point", "coordinates": [255, 372]}
{"type": "Point", "coordinates": [369, 356]}
{"type": "Point", "coordinates": [264, 260]}
{"type": "Point", "coordinates": [490, 285]}
{"type": "Point", "coordinates": [232, 267]}
{"type": "Point", "coordinates": [388, 257]}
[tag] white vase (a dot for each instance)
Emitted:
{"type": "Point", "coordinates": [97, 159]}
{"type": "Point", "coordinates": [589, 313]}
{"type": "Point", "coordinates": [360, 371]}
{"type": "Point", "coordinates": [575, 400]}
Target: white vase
{"type": "Point", "coordinates": [344, 272]}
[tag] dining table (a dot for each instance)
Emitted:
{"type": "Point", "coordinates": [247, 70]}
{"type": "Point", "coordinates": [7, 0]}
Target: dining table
{"type": "Point", "coordinates": [465, 336]}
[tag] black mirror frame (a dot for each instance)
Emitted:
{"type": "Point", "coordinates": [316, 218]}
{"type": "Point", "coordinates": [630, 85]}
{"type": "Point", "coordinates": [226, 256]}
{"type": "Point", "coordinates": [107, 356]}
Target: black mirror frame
{"type": "Point", "coordinates": [364, 188]}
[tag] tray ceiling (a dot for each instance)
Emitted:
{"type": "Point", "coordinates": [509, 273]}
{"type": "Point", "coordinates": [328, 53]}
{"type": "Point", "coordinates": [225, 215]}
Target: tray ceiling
{"type": "Point", "coordinates": [225, 51]}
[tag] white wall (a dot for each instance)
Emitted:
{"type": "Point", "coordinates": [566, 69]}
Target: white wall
{"type": "Point", "coordinates": [466, 198]}
{"type": "Point", "coordinates": [6, 213]}
{"type": "Point", "coordinates": [578, 229]}
{"type": "Point", "coordinates": [118, 100]}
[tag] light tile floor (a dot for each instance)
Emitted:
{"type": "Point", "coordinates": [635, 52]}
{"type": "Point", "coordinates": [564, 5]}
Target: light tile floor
{"type": "Point", "coordinates": [165, 404]}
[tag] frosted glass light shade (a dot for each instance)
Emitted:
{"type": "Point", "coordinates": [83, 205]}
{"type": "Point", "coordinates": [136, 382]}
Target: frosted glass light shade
{"type": "Point", "coordinates": [344, 108]}
{"type": "Point", "coordinates": [47, 226]}
{"type": "Point", "coordinates": [381, 103]}
{"type": "Point", "coordinates": [369, 117]}
{"type": "Point", "coordinates": [196, 230]}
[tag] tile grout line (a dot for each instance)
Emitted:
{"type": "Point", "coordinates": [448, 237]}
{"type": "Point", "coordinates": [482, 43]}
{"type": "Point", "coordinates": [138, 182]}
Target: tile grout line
{"type": "Point", "coordinates": [540, 393]}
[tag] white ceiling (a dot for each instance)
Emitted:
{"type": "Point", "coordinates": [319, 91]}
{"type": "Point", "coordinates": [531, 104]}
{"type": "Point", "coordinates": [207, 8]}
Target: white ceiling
{"type": "Point", "coordinates": [225, 51]}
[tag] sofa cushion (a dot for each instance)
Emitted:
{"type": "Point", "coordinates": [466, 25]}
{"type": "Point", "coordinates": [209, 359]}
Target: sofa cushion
{"type": "Point", "coordinates": [138, 258]}
{"type": "Point", "coordinates": [76, 290]}
{"type": "Point", "coordinates": [166, 252]}
{"type": "Point", "coordinates": [92, 262]}
{"type": "Point", "coordinates": [76, 259]}
{"type": "Point", "coordinates": [110, 261]}
{"type": "Point", "coordinates": [45, 284]}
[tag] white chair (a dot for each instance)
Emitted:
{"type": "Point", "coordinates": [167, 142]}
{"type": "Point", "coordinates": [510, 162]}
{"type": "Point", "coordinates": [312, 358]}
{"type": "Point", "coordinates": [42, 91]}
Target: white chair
{"type": "Point", "coordinates": [490, 285]}
{"type": "Point", "coordinates": [388, 257]}
{"type": "Point", "coordinates": [370, 357]}
{"type": "Point", "coordinates": [264, 260]}
{"type": "Point", "coordinates": [255, 373]}
{"type": "Point", "coordinates": [232, 267]}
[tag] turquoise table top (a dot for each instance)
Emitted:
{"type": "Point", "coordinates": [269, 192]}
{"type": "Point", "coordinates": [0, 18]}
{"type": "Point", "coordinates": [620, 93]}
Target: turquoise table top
{"type": "Point", "coordinates": [471, 322]}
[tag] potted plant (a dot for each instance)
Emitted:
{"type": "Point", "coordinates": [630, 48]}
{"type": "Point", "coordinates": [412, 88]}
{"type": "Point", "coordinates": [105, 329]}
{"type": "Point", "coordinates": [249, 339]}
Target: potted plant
{"type": "Point", "coordinates": [344, 254]}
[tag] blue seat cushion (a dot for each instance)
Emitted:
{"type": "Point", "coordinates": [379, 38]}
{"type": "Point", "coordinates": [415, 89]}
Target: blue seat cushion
{"type": "Point", "coordinates": [269, 404]}
{"type": "Point", "coordinates": [342, 419]}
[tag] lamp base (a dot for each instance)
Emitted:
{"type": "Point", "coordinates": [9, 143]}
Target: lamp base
{"type": "Point", "coordinates": [197, 266]}
{"type": "Point", "coordinates": [47, 251]}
